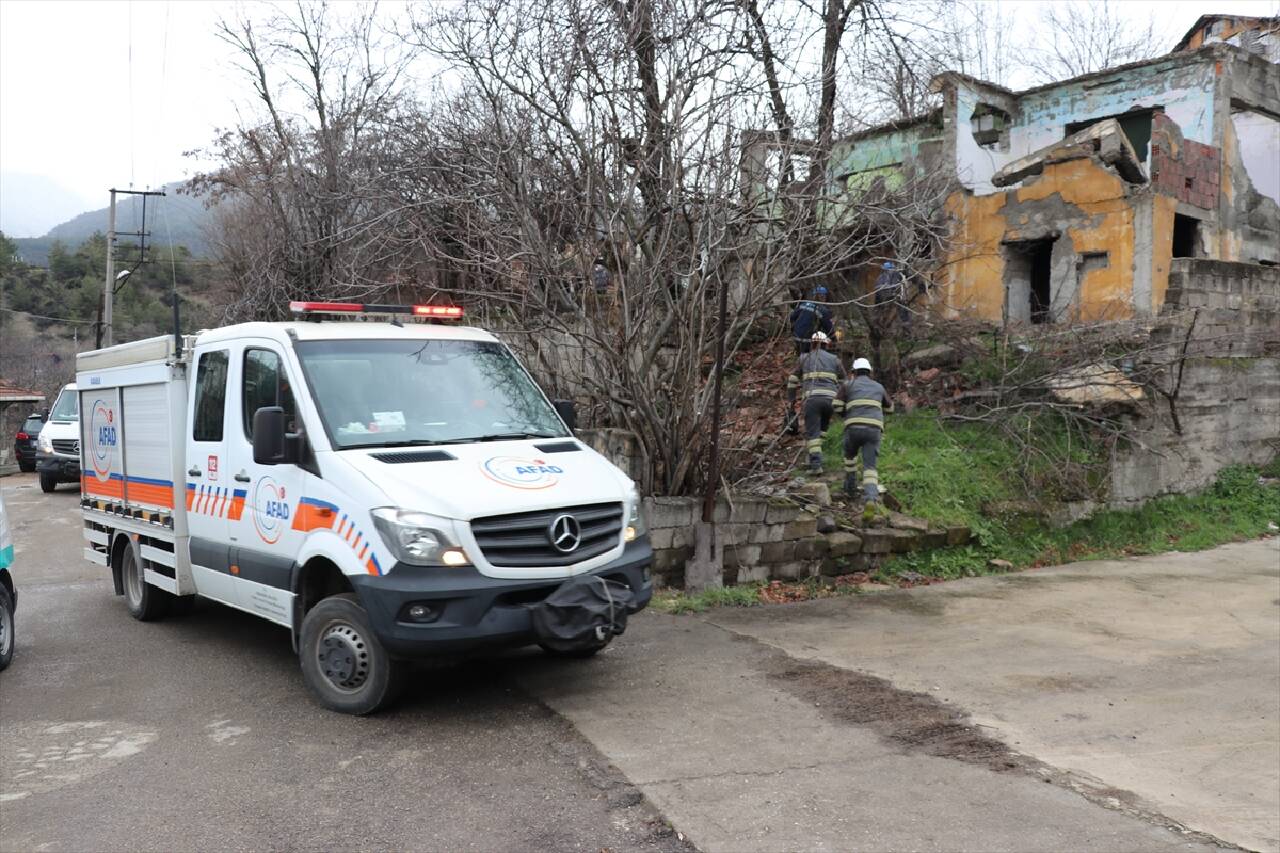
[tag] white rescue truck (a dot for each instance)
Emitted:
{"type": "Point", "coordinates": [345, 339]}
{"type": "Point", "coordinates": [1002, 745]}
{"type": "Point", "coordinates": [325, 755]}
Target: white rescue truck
{"type": "Point", "coordinates": [386, 490]}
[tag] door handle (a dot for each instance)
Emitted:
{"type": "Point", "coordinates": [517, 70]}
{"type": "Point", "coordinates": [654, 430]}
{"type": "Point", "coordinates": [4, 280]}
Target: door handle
{"type": "Point", "coordinates": [193, 472]}
{"type": "Point", "coordinates": [242, 477]}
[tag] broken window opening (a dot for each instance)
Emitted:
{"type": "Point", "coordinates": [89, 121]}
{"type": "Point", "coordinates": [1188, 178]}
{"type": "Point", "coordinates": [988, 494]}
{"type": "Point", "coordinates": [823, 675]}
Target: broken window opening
{"type": "Point", "coordinates": [1136, 125]}
{"type": "Point", "coordinates": [990, 126]}
{"type": "Point", "coordinates": [1186, 236]}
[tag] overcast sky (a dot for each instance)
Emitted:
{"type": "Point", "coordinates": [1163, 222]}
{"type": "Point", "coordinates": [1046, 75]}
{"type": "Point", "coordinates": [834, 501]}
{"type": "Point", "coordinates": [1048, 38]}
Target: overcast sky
{"type": "Point", "coordinates": [111, 93]}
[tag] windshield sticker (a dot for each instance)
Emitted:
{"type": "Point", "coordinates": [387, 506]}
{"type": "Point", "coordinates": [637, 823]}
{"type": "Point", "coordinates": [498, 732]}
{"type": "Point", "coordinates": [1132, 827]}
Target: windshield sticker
{"type": "Point", "coordinates": [520, 473]}
{"type": "Point", "coordinates": [389, 420]}
{"type": "Point", "coordinates": [102, 439]}
{"type": "Point", "coordinates": [270, 510]}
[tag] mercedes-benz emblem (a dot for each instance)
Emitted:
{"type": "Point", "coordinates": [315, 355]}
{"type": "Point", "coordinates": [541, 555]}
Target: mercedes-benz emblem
{"type": "Point", "coordinates": [565, 533]}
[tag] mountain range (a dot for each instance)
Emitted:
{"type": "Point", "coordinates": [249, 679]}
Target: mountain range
{"type": "Point", "coordinates": [176, 218]}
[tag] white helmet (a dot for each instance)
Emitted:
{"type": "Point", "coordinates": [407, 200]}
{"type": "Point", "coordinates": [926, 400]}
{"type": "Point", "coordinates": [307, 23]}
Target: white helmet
{"type": "Point", "coordinates": [861, 364]}
{"type": "Point", "coordinates": [820, 338]}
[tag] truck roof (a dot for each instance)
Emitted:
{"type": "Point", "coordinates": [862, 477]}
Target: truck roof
{"type": "Point", "coordinates": [337, 330]}
{"type": "Point", "coordinates": [162, 347]}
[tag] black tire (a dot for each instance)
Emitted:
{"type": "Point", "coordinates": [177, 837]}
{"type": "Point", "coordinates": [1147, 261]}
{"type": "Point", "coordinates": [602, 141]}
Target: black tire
{"type": "Point", "coordinates": [6, 627]}
{"type": "Point", "coordinates": [343, 664]}
{"type": "Point", "coordinates": [48, 482]}
{"type": "Point", "coordinates": [146, 603]}
{"type": "Point", "coordinates": [26, 467]}
{"type": "Point", "coordinates": [181, 605]}
{"type": "Point", "coordinates": [576, 654]}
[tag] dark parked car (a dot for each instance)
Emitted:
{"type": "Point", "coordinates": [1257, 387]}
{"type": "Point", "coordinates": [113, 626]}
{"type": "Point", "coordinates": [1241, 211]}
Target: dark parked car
{"type": "Point", "coordinates": [24, 444]}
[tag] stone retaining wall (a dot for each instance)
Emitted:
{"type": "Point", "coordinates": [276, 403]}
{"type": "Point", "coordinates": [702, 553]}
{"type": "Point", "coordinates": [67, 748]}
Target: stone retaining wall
{"type": "Point", "coordinates": [1227, 411]}
{"type": "Point", "coordinates": [777, 539]}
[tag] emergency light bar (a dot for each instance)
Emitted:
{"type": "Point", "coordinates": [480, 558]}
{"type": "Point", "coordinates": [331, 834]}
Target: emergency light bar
{"type": "Point", "coordinates": [438, 312]}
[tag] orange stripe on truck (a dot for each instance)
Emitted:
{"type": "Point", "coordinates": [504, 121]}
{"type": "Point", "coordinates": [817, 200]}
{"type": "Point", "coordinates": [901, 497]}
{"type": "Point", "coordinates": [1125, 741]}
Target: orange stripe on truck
{"type": "Point", "coordinates": [314, 514]}
{"type": "Point", "coordinates": [112, 488]}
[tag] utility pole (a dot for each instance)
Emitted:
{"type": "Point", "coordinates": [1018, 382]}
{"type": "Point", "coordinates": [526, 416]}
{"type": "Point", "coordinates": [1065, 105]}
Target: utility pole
{"type": "Point", "coordinates": [109, 289]}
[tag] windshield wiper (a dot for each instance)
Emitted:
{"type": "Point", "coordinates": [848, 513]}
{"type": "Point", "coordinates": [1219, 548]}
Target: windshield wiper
{"type": "Point", "coordinates": [511, 436]}
{"type": "Point", "coordinates": [414, 442]}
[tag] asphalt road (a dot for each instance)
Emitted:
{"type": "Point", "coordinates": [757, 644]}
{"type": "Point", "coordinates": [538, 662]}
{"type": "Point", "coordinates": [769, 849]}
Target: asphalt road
{"type": "Point", "coordinates": [990, 714]}
{"type": "Point", "coordinates": [197, 733]}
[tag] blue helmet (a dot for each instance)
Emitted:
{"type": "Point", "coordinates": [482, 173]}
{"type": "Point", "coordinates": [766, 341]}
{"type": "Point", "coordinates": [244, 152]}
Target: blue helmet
{"type": "Point", "coordinates": [887, 265]}
{"type": "Point", "coordinates": [819, 291]}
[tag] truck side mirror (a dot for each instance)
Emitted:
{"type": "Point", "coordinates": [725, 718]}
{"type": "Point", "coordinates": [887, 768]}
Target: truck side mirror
{"type": "Point", "coordinates": [568, 413]}
{"type": "Point", "coordinates": [269, 446]}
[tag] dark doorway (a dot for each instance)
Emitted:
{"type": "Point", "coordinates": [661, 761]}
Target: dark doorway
{"type": "Point", "coordinates": [1040, 255]}
{"type": "Point", "coordinates": [1027, 279]}
{"type": "Point", "coordinates": [1186, 236]}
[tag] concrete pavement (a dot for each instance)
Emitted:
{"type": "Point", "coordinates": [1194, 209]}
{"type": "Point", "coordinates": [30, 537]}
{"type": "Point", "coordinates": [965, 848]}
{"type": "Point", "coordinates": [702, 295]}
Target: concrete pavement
{"type": "Point", "coordinates": [1155, 682]}
{"type": "Point", "coordinates": [744, 749]}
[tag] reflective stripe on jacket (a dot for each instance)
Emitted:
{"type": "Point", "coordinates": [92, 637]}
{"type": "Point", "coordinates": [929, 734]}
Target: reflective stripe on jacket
{"type": "Point", "coordinates": [862, 401]}
{"type": "Point", "coordinates": [817, 374]}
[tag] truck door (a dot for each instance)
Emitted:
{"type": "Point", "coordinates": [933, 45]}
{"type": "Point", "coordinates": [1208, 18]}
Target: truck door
{"type": "Point", "coordinates": [264, 541]}
{"type": "Point", "coordinates": [208, 497]}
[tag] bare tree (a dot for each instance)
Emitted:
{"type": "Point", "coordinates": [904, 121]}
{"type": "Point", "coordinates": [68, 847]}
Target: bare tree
{"type": "Point", "coordinates": [1084, 36]}
{"type": "Point", "coordinates": [302, 204]}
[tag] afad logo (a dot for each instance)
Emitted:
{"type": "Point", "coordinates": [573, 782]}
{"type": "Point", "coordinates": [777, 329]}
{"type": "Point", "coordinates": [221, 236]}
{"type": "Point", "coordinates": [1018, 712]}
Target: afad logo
{"type": "Point", "coordinates": [521, 473]}
{"type": "Point", "coordinates": [102, 439]}
{"type": "Point", "coordinates": [270, 510]}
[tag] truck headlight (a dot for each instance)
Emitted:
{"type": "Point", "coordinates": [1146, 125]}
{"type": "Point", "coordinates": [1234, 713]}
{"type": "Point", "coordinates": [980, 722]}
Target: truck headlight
{"type": "Point", "coordinates": [417, 538]}
{"type": "Point", "coordinates": [636, 526]}
{"type": "Point", "coordinates": [44, 444]}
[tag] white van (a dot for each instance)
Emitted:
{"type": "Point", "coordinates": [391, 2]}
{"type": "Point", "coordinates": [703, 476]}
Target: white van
{"type": "Point", "coordinates": [386, 490]}
{"type": "Point", "coordinates": [58, 447]}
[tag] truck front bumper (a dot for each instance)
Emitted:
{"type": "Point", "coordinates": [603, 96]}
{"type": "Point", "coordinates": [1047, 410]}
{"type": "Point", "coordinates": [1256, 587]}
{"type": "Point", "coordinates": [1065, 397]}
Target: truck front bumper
{"type": "Point", "coordinates": [67, 468]}
{"type": "Point", "coordinates": [469, 610]}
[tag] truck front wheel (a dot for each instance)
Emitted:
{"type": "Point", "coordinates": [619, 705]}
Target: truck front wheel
{"type": "Point", "coordinates": [48, 481]}
{"type": "Point", "coordinates": [146, 602]}
{"type": "Point", "coordinates": [343, 663]}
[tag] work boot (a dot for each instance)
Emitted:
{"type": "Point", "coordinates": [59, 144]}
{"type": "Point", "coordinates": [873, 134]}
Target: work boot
{"type": "Point", "coordinates": [851, 485]}
{"type": "Point", "coordinates": [815, 463]}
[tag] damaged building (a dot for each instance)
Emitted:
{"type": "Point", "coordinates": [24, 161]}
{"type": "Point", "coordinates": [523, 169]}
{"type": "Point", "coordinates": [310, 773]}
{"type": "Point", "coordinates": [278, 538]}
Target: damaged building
{"type": "Point", "coordinates": [1072, 199]}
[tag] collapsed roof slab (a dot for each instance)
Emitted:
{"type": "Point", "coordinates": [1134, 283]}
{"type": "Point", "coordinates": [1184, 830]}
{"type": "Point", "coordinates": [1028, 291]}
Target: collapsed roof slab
{"type": "Point", "coordinates": [1104, 139]}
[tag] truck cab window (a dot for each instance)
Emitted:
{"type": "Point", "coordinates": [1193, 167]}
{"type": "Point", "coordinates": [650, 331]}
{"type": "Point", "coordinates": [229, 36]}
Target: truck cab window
{"type": "Point", "coordinates": [266, 384]}
{"type": "Point", "coordinates": [211, 397]}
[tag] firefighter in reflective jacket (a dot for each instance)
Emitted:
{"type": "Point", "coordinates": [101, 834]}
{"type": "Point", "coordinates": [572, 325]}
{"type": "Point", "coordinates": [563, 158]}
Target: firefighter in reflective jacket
{"type": "Point", "coordinates": [862, 401]}
{"type": "Point", "coordinates": [817, 378]}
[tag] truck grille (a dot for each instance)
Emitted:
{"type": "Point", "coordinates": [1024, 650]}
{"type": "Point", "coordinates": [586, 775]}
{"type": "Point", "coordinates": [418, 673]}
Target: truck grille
{"type": "Point", "coordinates": [523, 540]}
{"type": "Point", "coordinates": [67, 446]}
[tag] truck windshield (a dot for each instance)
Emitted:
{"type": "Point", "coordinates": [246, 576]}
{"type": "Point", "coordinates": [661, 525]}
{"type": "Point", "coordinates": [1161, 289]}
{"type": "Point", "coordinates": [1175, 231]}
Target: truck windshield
{"type": "Point", "coordinates": [373, 393]}
{"type": "Point", "coordinates": [67, 408]}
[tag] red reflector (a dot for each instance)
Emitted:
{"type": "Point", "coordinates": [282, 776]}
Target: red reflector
{"type": "Point", "coordinates": [437, 311]}
{"type": "Point", "coordinates": [344, 307]}
{"type": "Point", "coordinates": [22, 436]}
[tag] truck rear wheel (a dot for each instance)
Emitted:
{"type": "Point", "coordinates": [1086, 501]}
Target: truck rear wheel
{"type": "Point", "coordinates": [343, 664]}
{"type": "Point", "coordinates": [146, 602]}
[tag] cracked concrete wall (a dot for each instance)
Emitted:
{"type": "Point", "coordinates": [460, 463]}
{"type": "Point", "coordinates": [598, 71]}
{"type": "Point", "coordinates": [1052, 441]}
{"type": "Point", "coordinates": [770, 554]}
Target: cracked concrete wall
{"type": "Point", "coordinates": [1227, 406]}
{"type": "Point", "coordinates": [1183, 85]}
{"type": "Point", "coordinates": [1089, 211]}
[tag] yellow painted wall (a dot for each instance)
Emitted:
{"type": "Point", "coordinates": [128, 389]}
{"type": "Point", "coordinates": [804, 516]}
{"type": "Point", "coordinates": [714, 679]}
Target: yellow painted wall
{"type": "Point", "coordinates": [973, 277]}
{"type": "Point", "coordinates": [974, 272]}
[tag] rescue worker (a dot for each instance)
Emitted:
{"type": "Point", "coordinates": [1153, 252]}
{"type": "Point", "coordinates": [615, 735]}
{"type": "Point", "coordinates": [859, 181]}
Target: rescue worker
{"type": "Point", "coordinates": [817, 378]}
{"type": "Point", "coordinates": [810, 316]}
{"type": "Point", "coordinates": [862, 402]}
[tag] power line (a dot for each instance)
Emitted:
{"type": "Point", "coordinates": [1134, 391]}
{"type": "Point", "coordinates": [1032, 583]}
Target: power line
{"type": "Point", "coordinates": [44, 317]}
